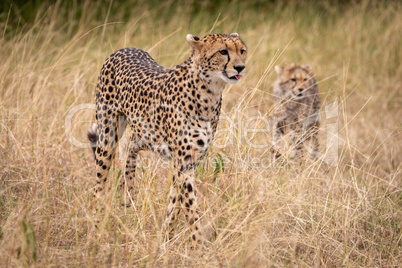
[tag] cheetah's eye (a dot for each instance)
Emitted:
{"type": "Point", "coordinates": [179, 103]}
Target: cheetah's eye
{"type": "Point", "coordinates": [223, 52]}
{"type": "Point", "coordinates": [305, 79]}
{"type": "Point", "coordinates": [242, 51]}
{"type": "Point", "coordinates": [293, 79]}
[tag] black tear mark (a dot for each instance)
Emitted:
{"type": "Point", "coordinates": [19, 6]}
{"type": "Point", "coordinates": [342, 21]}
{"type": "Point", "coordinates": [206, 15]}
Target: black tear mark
{"type": "Point", "coordinates": [224, 69]}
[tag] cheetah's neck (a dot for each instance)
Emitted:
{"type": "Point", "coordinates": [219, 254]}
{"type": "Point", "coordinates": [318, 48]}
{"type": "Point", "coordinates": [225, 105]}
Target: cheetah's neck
{"type": "Point", "coordinates": [208, 90]}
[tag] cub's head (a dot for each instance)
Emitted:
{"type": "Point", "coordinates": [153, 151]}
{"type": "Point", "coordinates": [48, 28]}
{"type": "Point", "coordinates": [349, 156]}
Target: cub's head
{"type": "Point", "coordinates": [295, 79]}
{"type": "Point", "coordinates": [219, 56]}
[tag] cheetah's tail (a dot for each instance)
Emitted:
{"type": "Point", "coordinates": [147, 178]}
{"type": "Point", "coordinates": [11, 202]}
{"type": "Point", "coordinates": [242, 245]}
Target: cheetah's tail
{"type": "Point", "coordinates": [93, 137]}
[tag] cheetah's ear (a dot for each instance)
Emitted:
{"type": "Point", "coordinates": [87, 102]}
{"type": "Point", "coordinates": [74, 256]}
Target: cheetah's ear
{"type": "Point", "coordinates": [278, 69]}
{"type": "Point", "coordinates": [307, 67]}
{"type": "Point", "coordinates": [234, 34]}
{"type": "Point", "coordinates": [194, 41]}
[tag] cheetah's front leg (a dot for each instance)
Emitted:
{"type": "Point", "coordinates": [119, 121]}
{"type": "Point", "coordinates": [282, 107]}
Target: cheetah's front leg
{"type": "Point", "coordinates": [173, 208]}
{"type": "Point", "coordinates": [192, 148]}
{"type": "Point", "coordinates": [188, 203]}
{"type": "Point", "coordinates": [182, 195]}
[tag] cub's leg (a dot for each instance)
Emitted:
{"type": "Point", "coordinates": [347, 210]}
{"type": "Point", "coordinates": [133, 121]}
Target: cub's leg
{"type": "Point", "coordinates": [279, 132]}
{"type": "Point", "coordinates": [312, 138]}
{"type": "Point", "coordinates": [296, 140]}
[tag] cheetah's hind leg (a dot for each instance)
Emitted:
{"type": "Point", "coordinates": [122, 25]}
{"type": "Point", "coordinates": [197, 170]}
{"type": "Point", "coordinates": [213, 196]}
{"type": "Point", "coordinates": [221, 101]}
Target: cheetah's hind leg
{"type": "Point", "coordinates": [127, 182]}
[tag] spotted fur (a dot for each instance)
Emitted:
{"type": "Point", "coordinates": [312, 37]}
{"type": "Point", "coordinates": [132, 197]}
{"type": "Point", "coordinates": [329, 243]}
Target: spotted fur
{"type": "Point", "coordinates": [297, 105]}
{"type": "Point", "coordinates": [173, 112]}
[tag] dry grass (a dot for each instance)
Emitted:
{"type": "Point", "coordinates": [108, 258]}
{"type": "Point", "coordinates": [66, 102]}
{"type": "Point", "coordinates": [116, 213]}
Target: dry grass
{"type": "Point", "coordinates": [259, 212]}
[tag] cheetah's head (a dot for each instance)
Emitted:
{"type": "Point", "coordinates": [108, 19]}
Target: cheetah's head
{"type": "Point", "coordinates": [219, 56]}
{"type": "Point", "coordinates": [295, 79]}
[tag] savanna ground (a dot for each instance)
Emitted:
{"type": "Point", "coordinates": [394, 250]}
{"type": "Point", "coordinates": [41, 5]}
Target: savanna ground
{"type": "Point", "coordinates": [345, 211]}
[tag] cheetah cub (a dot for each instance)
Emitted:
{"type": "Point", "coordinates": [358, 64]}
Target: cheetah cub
{"type": "Point", "coordinates": [297, 105]}
{"type": "Point", "coordinates": [173, 112]}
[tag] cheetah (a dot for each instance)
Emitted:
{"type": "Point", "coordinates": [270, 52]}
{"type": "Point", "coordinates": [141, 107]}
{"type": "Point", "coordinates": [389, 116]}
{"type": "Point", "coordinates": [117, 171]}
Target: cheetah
{"type": "Point", "coordinates": [173, 112]}
{"type": "Point", "coordinates": [297, 105]}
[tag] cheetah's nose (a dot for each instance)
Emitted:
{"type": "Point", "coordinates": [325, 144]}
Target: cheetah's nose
{"type": "Point", "coordinates": [239, 68]}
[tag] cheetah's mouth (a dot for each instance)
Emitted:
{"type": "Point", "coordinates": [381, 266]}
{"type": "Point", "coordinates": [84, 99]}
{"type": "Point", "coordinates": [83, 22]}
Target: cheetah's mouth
{"type": "Point", "coordinates": [231, 79]}
{"type": "Point", "coordinates": [297, 96]}
{"type": "Point", "coordinates": [235, 77]}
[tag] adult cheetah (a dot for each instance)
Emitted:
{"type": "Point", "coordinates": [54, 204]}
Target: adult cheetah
{"type": "Point", "coordinates": [174, 112]}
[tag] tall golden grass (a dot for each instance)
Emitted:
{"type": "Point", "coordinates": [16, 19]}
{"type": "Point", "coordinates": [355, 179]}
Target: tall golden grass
{"type": "Point", "coordinates": [258, 212]}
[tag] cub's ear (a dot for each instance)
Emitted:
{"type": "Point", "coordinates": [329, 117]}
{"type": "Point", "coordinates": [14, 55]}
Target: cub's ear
{"type": "Point", "coordinates": [278, 69]}
{"type": "Point", "coordinates": [194, 41]}
{"type": "Point", "coordinates": [234, 34]}
{"type": "Point", "coordinates": [307, 67]}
